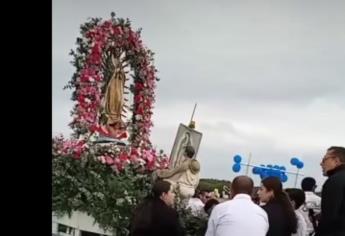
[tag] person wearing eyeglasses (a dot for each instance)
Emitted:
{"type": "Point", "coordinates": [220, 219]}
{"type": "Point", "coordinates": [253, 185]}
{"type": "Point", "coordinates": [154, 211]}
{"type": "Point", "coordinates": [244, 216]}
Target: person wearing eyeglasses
{"type": "Point", "coordinates": [332, 221]}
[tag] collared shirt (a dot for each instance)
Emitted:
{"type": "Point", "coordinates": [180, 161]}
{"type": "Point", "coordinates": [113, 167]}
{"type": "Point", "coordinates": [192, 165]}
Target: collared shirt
{"type": "Point", "coordinates": [301, 224]}
{"type": "Point", "coordinates": [239, 216]}
{"type": "Point", "coordinates": [312, 201]}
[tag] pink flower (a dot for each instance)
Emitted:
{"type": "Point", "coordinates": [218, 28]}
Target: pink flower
{"type": "Point", "coordinates": [134, 151]}
{"type": "Point", "coordinates": [138, 98]}
{"type": "Point", "coordinates": [140, 110]}
{"type": "Point", "coordinates": [109, 160]}
{"type": "Point", "coordinates": [117, 166]}
{"type": "Point", "coordinates": [123, 157]}
{"type": "Point", "coordinates": [101, 159]}
{"type": "Point", "coordinates": [74, 148]}
{"type": "Point", "coordinates": [117, 30]}
{"type": "Point", "coordinates": [139, 86]}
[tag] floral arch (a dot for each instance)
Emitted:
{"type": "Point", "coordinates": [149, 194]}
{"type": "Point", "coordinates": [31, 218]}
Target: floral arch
{"type": "Point", "coordinates": [107, 180]}
{"type": "Point", "coordinates": [101, 42]}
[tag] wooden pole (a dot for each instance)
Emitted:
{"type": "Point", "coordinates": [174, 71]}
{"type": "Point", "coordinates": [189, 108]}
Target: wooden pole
{"type": "Point", "coordinates": [296, 177]}
{"type": "Point", "coordinates": [191, 119]}
{"type": "Point", "coordinates": [248, 164]}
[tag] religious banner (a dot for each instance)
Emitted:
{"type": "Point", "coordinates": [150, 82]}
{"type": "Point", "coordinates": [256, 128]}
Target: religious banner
{"type": "Point", "coordinates": [185, 136]}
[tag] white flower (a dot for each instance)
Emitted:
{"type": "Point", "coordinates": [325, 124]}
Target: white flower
{"type": "Point", "coordinates": [93, 137]}
{"type": "Point", "coordinates": [141, 161]}
{"type": "Point", "coordinates": [119, 201]}
{"type": "Point", "coordinates": [128, 199]}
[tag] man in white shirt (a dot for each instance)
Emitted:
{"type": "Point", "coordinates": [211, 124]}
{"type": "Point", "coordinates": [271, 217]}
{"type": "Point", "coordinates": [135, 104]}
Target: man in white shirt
{"type": "Point", "coordinates": [312, 202]}
{"type": "Point", "coordinates": [197, 202]}
{"type": "Point", "coordinates": [239, 216]}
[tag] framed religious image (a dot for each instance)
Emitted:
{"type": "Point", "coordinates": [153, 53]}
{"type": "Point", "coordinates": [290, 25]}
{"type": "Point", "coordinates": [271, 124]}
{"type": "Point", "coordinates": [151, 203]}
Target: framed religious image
{"type": "Point", "coordinates": [185, 136]}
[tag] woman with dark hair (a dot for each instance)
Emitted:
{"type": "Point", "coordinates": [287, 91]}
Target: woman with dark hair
{"type": "Point", "coordinates": [209, 205]}
{"type": "Point", "coordinates": [156, 216]}
{"type": "Point", "coordinates": [281, 215]}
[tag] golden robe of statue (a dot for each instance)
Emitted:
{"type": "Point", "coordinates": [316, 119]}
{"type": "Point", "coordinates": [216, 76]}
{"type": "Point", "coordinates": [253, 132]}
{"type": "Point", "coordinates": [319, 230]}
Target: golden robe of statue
{"type": "Point", "coordinates": [113, 99]}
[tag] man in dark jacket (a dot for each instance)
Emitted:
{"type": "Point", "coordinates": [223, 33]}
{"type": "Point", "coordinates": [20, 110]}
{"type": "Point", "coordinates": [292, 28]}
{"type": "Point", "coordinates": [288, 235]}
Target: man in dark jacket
{"type": "Point", "coordinates": [332, 220]}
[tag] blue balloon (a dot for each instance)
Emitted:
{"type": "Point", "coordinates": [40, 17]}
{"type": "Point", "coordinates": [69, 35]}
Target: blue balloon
{"type": "Point", "coordinates": [269, 166]}
{"type": "Point", "coordinates": [236, 167]}
{"type": "Point", "coordinates": [269, 172]}
{"type": "Point", "coordinates": [237, 158]}
{"type": "Point", "coordinates": [260, 170]}
{"type": "Point", "coordinates": [263, 175]}
{"type": "Point", "coordinates": [275, 173]}
{"type": "Point", "coordinates": [282, 168]}
{"type": "Point", "coordinates": [283, 178]}
{"type": "Point", "coordinates": [300, 165]}
{"type": "Point", "coordinates": [256, 170]}
{"type": "Point", "coordinates": [294, 161]}
{"type": "Point", "coordinates": [276, 167]}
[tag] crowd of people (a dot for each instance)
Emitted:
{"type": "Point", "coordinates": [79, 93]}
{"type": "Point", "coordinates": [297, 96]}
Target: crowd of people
{"type": "Point", "coordinates": [272, 210]}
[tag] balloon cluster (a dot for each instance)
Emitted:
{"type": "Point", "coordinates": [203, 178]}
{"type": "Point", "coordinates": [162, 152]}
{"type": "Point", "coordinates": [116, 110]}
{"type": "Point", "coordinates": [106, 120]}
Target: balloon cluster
{"type": "Point", "coordinates": [268, 170]}
{"type": "Point", "coordinates": [237, 165]}
{"type": "Point", "coordinates": [271, 170]}
{"type": "Point", "coordinates": [295, 162]}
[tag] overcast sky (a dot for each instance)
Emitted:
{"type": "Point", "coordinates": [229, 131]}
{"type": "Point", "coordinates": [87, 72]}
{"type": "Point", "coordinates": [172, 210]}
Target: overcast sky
{"type": "Point", "coordinates": [268, 76]}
